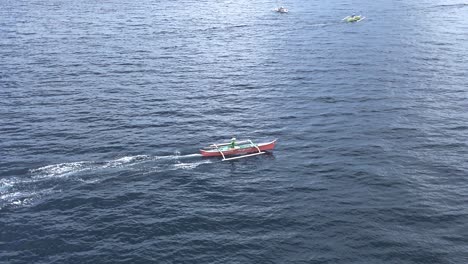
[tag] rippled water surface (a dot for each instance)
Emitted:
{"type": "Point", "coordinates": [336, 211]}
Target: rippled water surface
{"type": "Point", "coordinates": [104, 105]}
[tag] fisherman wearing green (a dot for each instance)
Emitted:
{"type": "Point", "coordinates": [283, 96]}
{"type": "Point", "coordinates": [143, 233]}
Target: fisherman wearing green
{"type": "Point", "coordinates": [233, 142]}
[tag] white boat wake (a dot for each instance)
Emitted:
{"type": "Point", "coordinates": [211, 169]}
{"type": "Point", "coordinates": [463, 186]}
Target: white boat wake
{"type": "Point", "coordinates": [26, 189]}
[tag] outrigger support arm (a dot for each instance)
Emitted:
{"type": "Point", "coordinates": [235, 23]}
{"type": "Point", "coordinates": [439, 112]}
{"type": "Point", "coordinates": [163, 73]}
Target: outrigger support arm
{"type": "Point", "coordinates": [222, 154]}
{"type": "Point", "coordinates": [253, 145]}
{"type": "Point", "coordinates": [244, 156]}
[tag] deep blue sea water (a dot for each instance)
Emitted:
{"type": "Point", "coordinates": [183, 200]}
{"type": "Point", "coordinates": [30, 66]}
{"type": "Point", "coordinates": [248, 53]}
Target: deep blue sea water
{"type": "Point", "coordinates": [104, 105]}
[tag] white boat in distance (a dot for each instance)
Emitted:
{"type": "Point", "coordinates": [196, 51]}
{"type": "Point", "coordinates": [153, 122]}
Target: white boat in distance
{"type": "Point", "coordinates": [281, 10]}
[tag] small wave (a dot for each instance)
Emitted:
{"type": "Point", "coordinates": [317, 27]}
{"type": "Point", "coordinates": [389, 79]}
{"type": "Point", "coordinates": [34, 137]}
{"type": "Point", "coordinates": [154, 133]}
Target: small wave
{"type": "Point", "coordinates": [461, 5]}
{"type": "Point", "coordinates": [190, 166]}
{"type": "Point", "coordinates": [6, 184]}
{"type": "Point", "coordinates": [177, 156]}
{"type": "Point", "coordinates": [324, 24]}
{"type": "Point", "coordinates": [70, 168]}
{"type": "Point", "coordinates": [89, 181]}
{"type": "Point", "coordinates": [130, 159]}
{"type": "Point", "coordinates": [239, 26]}
{"type": "Point", "coordinates": [22, 198]}
{"type": "Point", "coordinates": [125, 160]}
{"type": "Point", "coordinates": [61, 169]}
{"type": "Point", "coordinates": [190, 155]}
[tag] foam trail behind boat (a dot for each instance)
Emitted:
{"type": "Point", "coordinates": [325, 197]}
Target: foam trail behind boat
{"type": "Point", "coordinates": [45, 180]}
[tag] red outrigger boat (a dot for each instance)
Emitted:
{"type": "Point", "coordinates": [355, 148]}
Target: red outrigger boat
{"type": "Point", "coordinates": [242, 149]}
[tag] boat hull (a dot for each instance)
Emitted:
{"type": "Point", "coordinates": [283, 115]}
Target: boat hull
{"type": "Point", "coordinates": [269, 146]}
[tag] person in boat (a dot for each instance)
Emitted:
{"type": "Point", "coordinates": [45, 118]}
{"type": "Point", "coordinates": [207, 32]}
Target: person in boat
{"type": "Point", "coordinates": [233, 143]}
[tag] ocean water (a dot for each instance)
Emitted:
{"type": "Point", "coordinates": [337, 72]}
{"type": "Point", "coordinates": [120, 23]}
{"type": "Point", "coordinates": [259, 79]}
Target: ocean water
{"type": "Point", "coordinates": [105, 104]}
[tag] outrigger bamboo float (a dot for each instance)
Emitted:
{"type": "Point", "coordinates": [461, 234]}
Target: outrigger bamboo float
{"type": "Point", "coordinates": [242, 149]}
